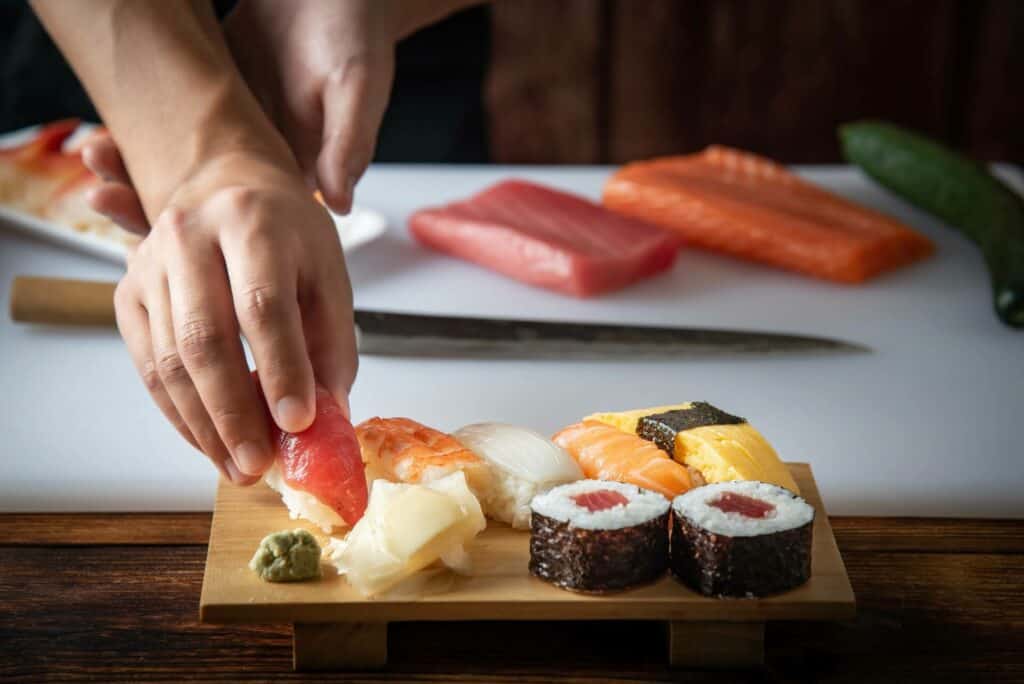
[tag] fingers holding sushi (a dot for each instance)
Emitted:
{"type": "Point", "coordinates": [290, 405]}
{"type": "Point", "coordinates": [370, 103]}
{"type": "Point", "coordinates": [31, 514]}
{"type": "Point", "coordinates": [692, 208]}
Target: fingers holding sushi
{"type": "Point", "coordinates": [319, 472]}
{"type": "Point", "coordinates": [147, 321]}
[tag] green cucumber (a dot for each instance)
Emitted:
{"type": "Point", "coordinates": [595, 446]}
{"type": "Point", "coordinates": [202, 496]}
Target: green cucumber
{"type": "Point", "coordinates": [957, 190]}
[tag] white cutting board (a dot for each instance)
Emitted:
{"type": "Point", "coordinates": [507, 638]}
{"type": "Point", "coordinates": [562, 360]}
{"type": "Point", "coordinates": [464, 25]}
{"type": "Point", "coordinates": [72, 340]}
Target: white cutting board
{"type": "Point", "coordinates": [926, 425]}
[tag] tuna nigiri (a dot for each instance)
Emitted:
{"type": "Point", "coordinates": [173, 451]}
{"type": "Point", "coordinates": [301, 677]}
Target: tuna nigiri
{"type": "Point", "coordinates": [319, 471]}
{"type": "Point", "coordinates": [406, 451]}
{"type": "Point", "coordinates": [607, 453]}
{"type": "Point", "coordinates": [523, 464]}
{"type": "Point", "coordinates": [750, 207]}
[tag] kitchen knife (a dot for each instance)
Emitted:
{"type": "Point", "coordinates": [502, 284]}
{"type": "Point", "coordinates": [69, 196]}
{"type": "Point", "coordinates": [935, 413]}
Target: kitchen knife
{"type": "Point", "coordinates": [382, 333]}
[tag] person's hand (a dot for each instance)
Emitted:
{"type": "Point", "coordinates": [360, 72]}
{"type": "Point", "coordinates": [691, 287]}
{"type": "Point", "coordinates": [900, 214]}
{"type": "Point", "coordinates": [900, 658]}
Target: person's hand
{"type": "Point", "coordinates": [262, 260]}
{"type": "Point", "coordinates": [322, 70]}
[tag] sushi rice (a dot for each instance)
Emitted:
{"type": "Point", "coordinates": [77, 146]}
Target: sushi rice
{"type": "Point", "coordinates": [302, 504]}
{"type": "Point", "coordinates": [789, 509]}
{"type": "Point", "coordinates": [643, 505]}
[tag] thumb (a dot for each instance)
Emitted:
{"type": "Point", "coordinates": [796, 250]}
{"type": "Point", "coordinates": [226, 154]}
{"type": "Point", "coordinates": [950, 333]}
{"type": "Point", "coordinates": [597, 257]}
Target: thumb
{"type": "Point", "coordinates": [354, 99]}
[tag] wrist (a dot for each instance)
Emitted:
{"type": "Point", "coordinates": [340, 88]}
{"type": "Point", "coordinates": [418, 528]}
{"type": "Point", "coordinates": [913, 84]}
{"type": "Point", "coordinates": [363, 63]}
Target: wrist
{"type": "Point", "coordinates": [223, 132]}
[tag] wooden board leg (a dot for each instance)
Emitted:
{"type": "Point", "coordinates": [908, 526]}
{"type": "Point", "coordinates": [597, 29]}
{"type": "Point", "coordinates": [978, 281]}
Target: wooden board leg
{"type": "Point", "coordinates": [339, 646]}
{"type": "Point", "coordinates": [716, 644]}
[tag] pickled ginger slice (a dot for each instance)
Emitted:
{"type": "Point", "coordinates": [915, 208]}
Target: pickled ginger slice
{"type": "Point", "coordinates": [319, 472]}
{"type": "Point", "coordinates": [406, 528]}
{"type": "Point", "coordinates": [523, 463]}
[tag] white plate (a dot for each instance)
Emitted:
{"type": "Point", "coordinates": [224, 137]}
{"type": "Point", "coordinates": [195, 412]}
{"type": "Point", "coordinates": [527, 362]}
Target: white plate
{"type": "Point", "coordinates": [359, 227]}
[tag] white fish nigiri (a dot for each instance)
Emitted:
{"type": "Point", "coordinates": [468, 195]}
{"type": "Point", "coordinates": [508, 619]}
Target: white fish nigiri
{"type": "Point", "coordinates": [524, 463]}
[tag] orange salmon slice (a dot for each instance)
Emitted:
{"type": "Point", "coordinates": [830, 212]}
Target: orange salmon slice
{"type": "Point", "coordinates": [750, 207]}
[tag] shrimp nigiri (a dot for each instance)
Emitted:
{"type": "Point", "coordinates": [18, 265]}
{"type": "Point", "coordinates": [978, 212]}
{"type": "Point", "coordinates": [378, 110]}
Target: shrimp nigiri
{"type": "Point", "coordinates": [607, 453]}
{"type": "Point", "coordinates": [403, 450]}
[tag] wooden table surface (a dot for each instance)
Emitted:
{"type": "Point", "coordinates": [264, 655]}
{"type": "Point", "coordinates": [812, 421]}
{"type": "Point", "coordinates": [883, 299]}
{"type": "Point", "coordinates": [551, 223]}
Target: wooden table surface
{"type": "Point", "coordinates": [115, 597]}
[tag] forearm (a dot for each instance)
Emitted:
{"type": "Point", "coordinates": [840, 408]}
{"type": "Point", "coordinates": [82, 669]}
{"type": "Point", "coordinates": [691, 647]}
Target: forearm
{"type": "Point", "coordinates": [162, 78]}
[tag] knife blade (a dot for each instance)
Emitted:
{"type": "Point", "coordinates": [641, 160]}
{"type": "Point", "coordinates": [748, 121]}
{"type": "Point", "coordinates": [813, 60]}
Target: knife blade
{"type": "Point", "coordinates": [402, 334]}
{"type": "Point", "coordinates": [76, 302]}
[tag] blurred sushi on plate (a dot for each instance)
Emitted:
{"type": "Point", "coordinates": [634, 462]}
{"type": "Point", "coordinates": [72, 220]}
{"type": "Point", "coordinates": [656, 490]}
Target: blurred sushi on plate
{"type": "Point", "coordinates": [44, 186]}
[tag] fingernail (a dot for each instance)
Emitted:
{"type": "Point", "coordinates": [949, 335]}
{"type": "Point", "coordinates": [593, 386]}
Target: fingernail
{"type": "Point", "coordinates": [292, 414]}
{"type": "Point", "coordinates": [251, 458]}
{"type": "Point", "coordinates": [234, 473]}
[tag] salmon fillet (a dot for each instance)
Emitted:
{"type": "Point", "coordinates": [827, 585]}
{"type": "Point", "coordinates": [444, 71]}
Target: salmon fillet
{"type": "Point", "coordinates": [750, 207]}
{"type": "Point", "coordinates": [547, 238]}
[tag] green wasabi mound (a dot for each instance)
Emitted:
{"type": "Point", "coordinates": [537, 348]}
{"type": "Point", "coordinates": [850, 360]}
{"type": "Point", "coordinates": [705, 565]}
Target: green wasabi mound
{"type": "Point", "coordinates": [287, 556]}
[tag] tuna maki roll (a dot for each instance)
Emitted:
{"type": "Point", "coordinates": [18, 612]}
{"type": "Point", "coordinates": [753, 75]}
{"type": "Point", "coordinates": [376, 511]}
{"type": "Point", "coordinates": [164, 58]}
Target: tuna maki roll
{"type": "Point", "coordinates": [741, 539]}
{"type": "Point", "coordinates": [594, 536]}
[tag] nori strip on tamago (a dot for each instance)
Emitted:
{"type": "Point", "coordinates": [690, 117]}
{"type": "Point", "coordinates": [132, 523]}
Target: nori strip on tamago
{"type": "Point", "coordinates": [724, 566]}
{"type": "Point", "coordinates": [661, 428]}
{"type": "Point", "coordinates": [598, 561]}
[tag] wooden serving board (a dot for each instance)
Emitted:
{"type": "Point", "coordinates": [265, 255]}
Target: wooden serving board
{"type": "Point", "coordinates": [336, 628]}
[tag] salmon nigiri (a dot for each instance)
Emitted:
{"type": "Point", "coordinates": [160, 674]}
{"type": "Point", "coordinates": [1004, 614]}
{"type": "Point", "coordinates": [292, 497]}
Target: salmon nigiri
{"type": "Point", "coordinates": [403, 450]}
{"type": "Point", "coordinates": [607, 453]}
{"type": "Point", "coordinates": [750, 207]}
{"type": "Point", "coordinates": [319, 472]}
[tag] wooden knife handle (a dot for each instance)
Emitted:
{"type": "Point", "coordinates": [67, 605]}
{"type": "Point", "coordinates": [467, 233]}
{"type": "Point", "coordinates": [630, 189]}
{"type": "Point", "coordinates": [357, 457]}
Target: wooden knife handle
{"type": "Point", "coordinates": [60, 301]}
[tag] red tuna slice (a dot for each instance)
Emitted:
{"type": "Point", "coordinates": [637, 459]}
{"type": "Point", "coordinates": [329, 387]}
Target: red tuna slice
{"type": "Point", "coordinates": [325, 459]}
{"type": "Point", "coordinates": [547, 238]}
{"type": "Point", "coordinates": [600, 500]}
{"type": "Point", "coordinates": [747, 506]}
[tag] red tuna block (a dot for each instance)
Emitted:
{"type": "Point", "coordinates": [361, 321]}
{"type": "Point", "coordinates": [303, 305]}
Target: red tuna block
{"type": "Point", "coordinates": [547, 238]}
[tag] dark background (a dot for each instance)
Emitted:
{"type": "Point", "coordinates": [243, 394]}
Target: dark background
{"type": "Point", "coordinates": [614, 80]}
{"type": "Point", "coordinates": [607, 81]}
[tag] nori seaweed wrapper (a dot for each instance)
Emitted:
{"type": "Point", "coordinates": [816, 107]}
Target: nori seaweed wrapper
{"type": "Point", "coordinates": [598, 561]}
{"type": "Point", "coordinates": [662, 428]}
{"type": "Point", "coordinates": [723, 566]}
